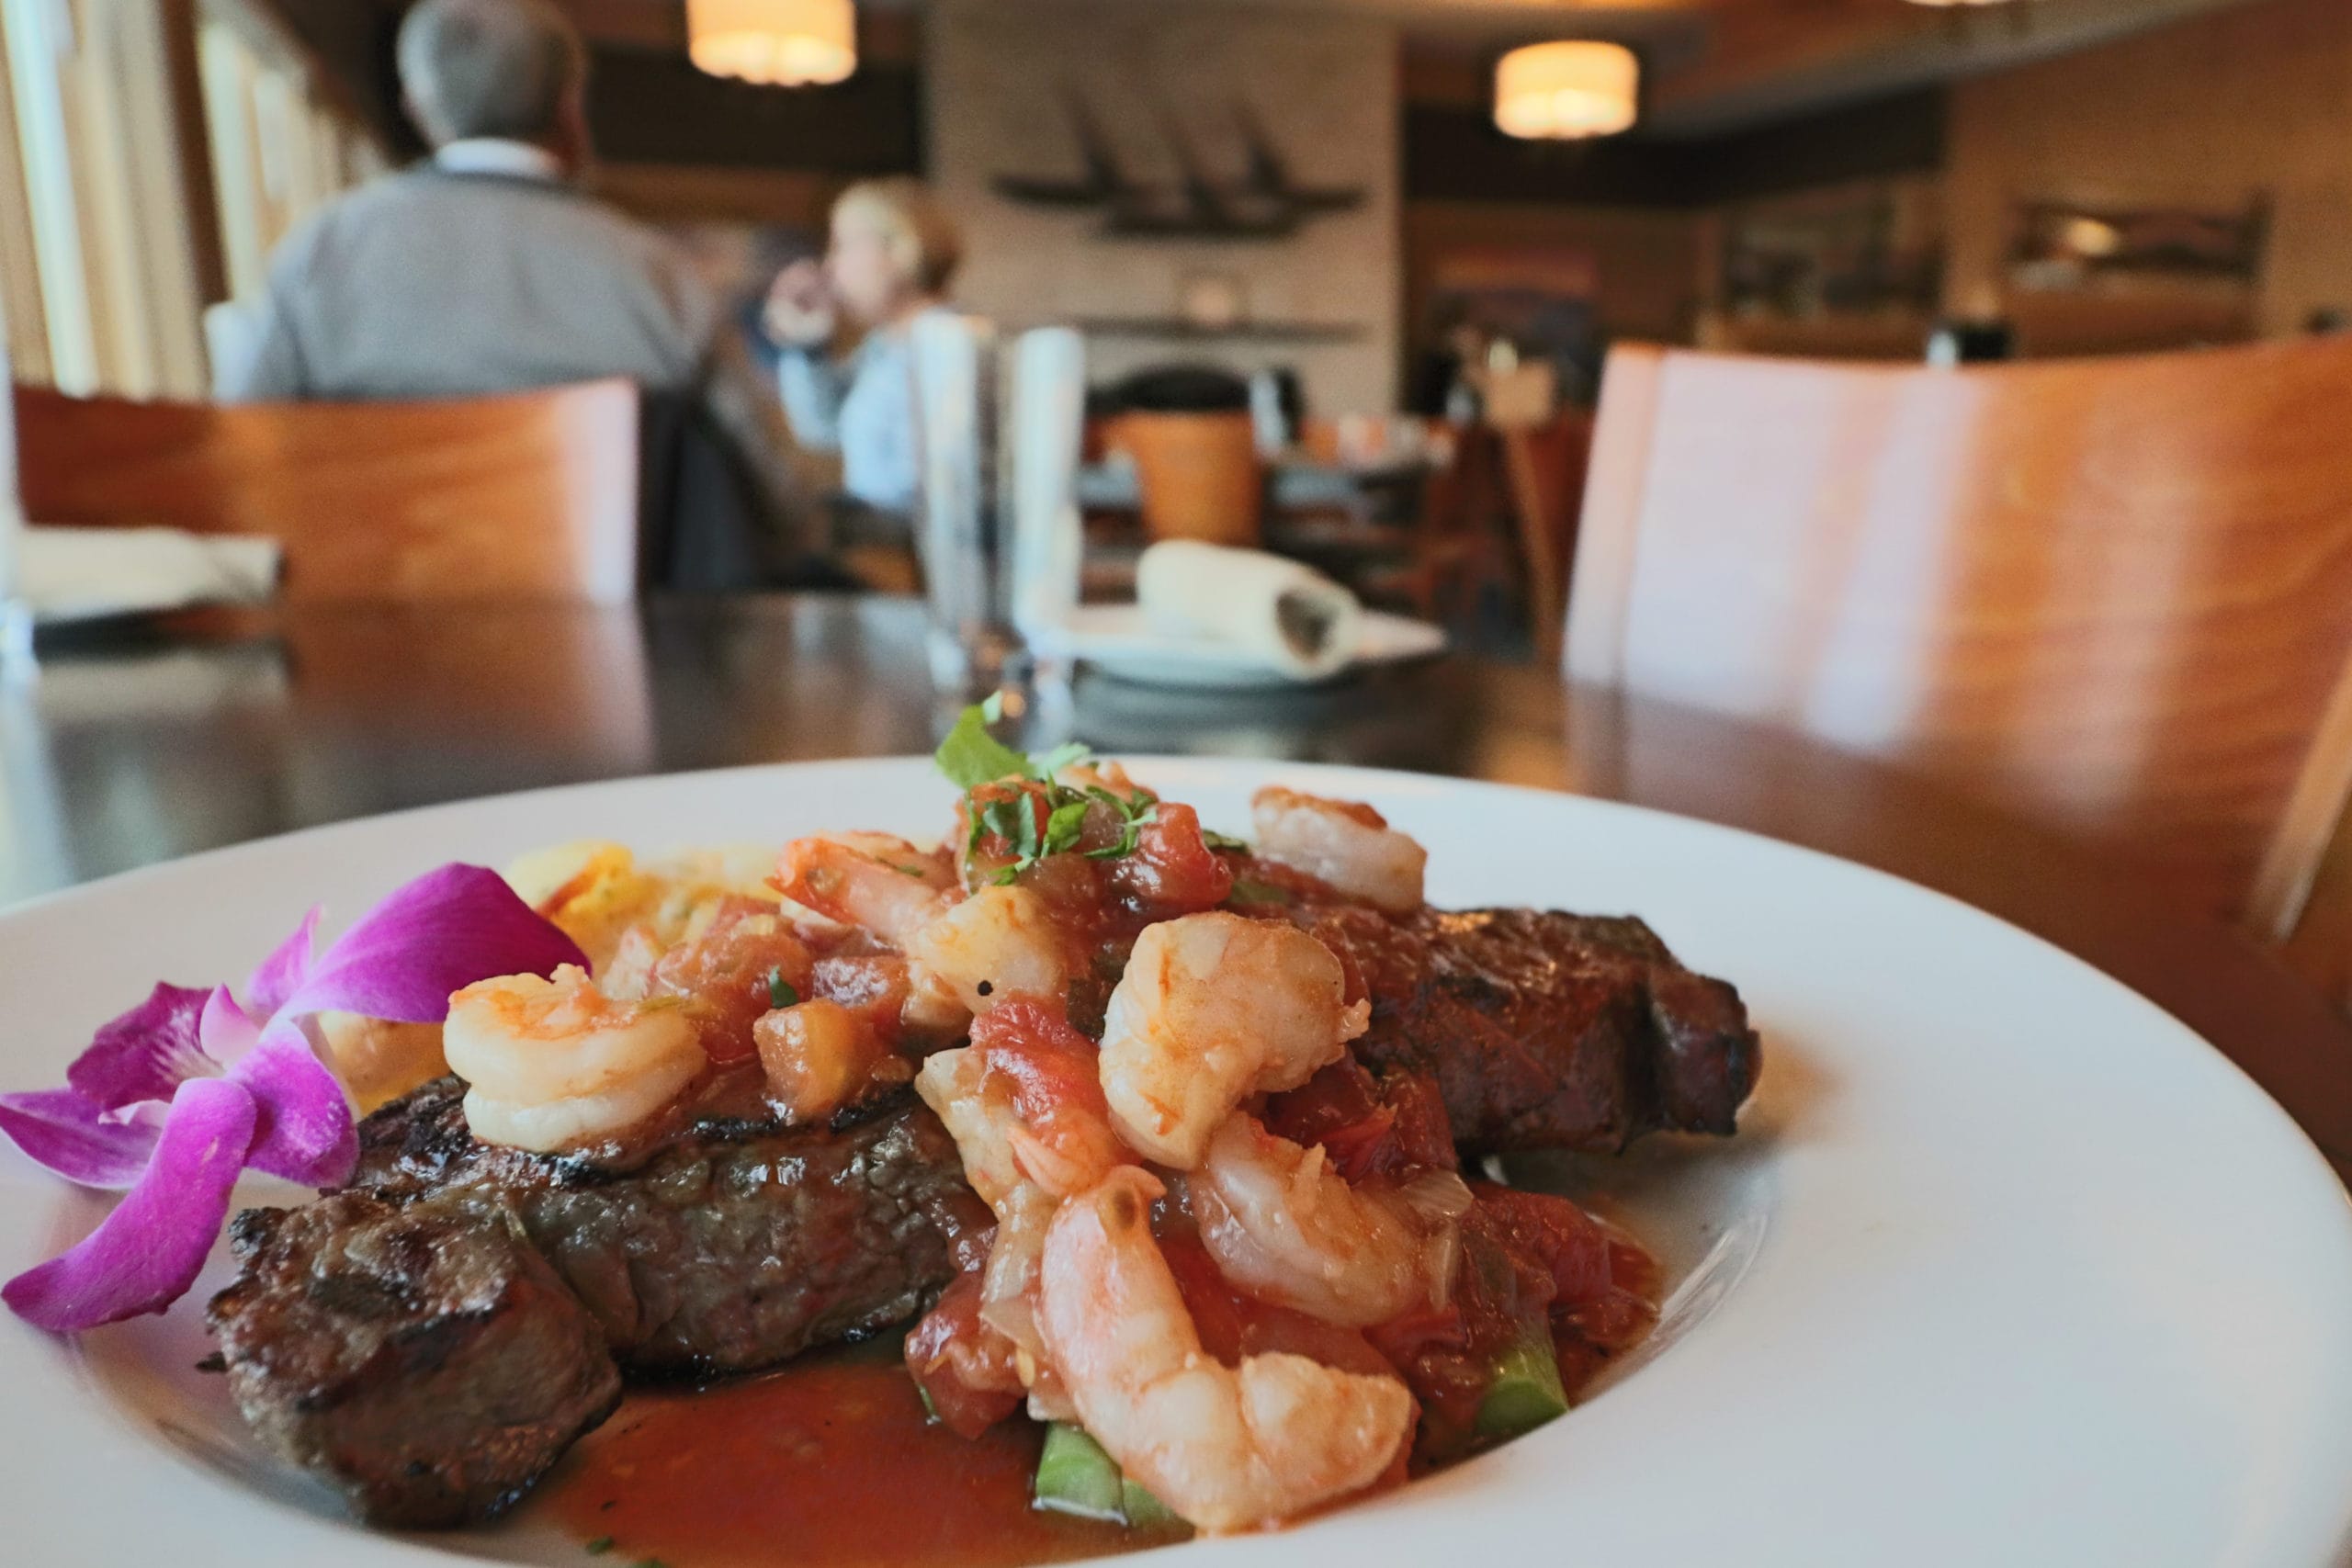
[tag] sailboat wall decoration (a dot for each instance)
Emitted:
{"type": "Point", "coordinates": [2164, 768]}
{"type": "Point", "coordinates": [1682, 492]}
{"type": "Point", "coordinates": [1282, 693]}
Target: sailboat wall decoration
{"type": "Point", "coordinates": [1264, 203]}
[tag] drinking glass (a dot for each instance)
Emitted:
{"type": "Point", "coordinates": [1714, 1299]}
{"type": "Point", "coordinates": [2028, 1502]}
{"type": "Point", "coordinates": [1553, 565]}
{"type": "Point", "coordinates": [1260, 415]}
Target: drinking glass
{"type": "Point", "coordinates": [15, 613]}
{"type": "Point", "coordinates": [960, 525]}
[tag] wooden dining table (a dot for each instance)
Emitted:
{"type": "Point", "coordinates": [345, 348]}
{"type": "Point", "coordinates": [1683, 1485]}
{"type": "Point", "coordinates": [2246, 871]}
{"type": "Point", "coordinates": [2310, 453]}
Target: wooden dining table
{"type": "Point", "coordinates": [134, 745]}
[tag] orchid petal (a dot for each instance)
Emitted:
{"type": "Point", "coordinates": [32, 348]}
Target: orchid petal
{"type": "Point", "coordinates": [72, 1135]}
{"type": "Point", "coordinates": [227, 1031]}
{"type": "Point", "coordinates": [282, 971]}
{"type": "Point", "coordinates": [304, 1132]}
{"type": "Point", "coordinates": [147, 1253]}
{"type": "Point", "coordinates": [438, 934]}
{"type": "Point", "coordinates": [147, 1052]}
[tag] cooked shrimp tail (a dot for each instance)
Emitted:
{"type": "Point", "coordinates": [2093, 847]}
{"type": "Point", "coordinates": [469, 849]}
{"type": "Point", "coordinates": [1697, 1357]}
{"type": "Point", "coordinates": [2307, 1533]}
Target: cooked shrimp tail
{"type": "Point", "coordinates": [1227, 1448]}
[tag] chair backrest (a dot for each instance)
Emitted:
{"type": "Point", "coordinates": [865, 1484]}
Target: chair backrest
{"type": "Point", "coordinates": [1544, 465]}
{"type": "Point", "coordinates": [2114, 596]}
{"type": "Point", "coordinates": [531, 495]}
{"type": "Point", "coordinates": [1198, 474]}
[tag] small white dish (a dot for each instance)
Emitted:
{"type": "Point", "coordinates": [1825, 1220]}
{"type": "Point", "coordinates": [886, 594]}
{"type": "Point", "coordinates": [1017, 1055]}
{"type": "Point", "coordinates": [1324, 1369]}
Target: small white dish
{"type": "Point", "coordinates": [1118, 640]}
{"type": "Point", "coordinates": [2005, 1266]}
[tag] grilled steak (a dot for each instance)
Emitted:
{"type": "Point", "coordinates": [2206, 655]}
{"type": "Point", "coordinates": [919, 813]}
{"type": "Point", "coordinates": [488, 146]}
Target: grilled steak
{"type": "Point", "coordinates": [1545, 1029]}
{"type": "Point", "coordinates": [422, 1358]}
{"type": "Point", "coordinates": [431, 1339]}
{"type": "Point", "coordinates": [730, 1244]}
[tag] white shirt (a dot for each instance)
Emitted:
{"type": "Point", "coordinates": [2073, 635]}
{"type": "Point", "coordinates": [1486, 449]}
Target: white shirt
{"type": "Point", "coordinates": [864, 408]}
{"type": "Point", "coordinates": [497, 155]}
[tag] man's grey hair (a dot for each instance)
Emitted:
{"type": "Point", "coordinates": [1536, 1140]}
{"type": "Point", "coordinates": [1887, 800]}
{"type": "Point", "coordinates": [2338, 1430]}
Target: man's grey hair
{"type": "Point", "coordinates": [489, 68]}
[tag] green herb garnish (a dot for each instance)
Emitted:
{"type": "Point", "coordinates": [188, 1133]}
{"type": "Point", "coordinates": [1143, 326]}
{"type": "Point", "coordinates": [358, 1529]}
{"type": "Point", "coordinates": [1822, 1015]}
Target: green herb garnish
{"type": "Point", "coordinates": [781, 993]}
{"type": "Point", "coordinates": [1217, 841]}
{"type": "Point", "coordinates": [1134, 815]}
{"type": "Point", "coordinates": [598, 1547]}
{"type": "Point", "coordinates": [972, 760]}
{"type": "Point", "coordinates": [1247, 892]}
{"type": "Point", "coordinates": [970, 756]}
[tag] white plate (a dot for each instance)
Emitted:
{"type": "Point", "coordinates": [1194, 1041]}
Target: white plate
{"type": "Point", "coordinates": [1117, 639]}
{"type": "Point", "coordinates": [2006, 1266]}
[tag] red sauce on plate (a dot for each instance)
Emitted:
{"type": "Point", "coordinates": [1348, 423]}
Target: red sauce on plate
{"type": "Point", "coordinates": [828, 1465]}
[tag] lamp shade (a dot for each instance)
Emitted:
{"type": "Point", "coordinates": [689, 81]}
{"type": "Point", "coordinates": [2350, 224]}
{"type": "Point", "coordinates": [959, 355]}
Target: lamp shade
{"type": "Point", "coordinates": [1567, 90]}
{"type": "Point", "coordinates": [784, 43]}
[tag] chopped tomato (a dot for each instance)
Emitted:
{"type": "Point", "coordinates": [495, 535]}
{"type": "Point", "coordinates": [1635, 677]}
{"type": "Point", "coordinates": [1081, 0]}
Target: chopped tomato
{"type": "Point", "coordinates": [963, 1367]}
{"type": "Point", "coordinates": [733, 974]}
{"type": "Point", "coordinates": [819, 1056]}
{"type": "Point", "coordinates": [1423, 1132]}
{"type": "Point", "coordinates": [874, 985]}
{"type": "Point", "coordinates": [1369, 1126]}
{"type": "Point", "coordinates": [1570, 1245]}
{"type": "Point", "coordinates": [1533, 1267]}
{"type": "Point", "coordinates": [1070, 883]}
{"type": "Point", "coordinates": [1172, 870]}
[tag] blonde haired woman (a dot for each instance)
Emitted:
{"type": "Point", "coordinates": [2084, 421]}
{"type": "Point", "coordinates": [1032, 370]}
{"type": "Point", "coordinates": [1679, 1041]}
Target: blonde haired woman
{"type": "Point", "coordinates": [894, 252]}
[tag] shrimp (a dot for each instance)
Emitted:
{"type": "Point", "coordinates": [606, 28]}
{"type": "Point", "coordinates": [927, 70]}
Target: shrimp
{"type": "Point", "coordinates": [954, 1084]}
{"type": "Point", "coordinates": [999, 942]}
{"type": "Point", "coordinates": [1347, 845]}
{"type": "Point", "coordinates": [1227, 1448]}
{"type": "Point", "coordinates": [1023, 1104]}
{"type": "Point", "coordinates": [1285, 1227]}
{"type": "Point", "coordinates": [1028, 1118]}
{"type": "Point", "coordinates": [555, 1062]}
{"type": "Point", "coordinates": [1213, 1008]}
{"type": "Point", "coordinates": [873, 881]}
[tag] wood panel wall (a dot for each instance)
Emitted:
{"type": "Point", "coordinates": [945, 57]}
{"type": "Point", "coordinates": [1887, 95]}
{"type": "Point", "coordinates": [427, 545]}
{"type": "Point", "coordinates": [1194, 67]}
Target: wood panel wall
{"type": "Point", "coordinates": [2212, 110]}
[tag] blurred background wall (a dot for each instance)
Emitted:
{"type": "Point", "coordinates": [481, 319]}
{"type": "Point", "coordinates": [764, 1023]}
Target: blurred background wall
{"type": "Point", "coordinates": [1167, 87]}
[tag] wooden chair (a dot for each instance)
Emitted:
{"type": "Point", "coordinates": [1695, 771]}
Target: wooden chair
{"type": "Point", "coordinates": [1199, 475]}
{"type": "Point", "coordinates": [2113, 596]}
{"type": "Point", "coordinates": [528, 496]}
{"type": "Point", "coordinates": [1545, 465]}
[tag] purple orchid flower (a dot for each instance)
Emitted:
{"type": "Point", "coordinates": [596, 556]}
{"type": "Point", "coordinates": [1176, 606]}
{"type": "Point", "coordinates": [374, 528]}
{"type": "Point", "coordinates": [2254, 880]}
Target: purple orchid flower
{"type": "Point", "coordinates": [177, 1097]}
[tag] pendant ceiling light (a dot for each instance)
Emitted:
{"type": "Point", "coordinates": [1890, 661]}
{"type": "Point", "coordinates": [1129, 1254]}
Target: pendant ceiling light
{"type": "Point", "coordinates": [780, 43]}
{"type": "Point", "coordinates": [1566, 91]}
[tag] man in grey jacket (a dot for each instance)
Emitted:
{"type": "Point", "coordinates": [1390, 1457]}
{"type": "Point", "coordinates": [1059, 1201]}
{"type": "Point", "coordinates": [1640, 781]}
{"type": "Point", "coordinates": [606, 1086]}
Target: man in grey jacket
{"type": "Point", "coordinates": [485, 270]}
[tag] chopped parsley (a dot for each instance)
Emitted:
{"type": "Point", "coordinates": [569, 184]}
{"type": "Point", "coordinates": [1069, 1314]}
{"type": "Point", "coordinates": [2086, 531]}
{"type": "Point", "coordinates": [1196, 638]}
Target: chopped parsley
{"type": "Point", "coordinates": [973, 759]}
{"type": "Point", "coordinates": [781, 993]}
{"type": "Point", "coordinates": [598, 1547]}
{"type": "Point", "coordinates": [1217, 841]}
{"type": "Point", "coordinates": [1247, 892]}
